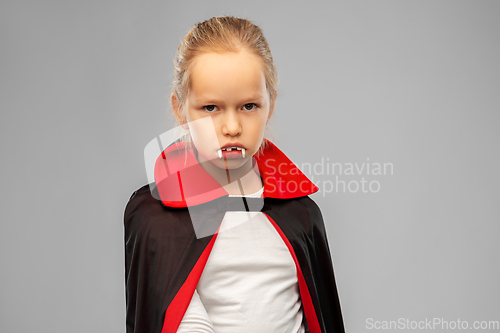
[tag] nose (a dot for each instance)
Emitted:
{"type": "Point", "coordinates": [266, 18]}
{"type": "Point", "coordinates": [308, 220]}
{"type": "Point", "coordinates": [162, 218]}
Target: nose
{"type": "Point", "coordinates": [231, 125]}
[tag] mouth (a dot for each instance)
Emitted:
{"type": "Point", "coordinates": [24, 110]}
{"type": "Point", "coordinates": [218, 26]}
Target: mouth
{"type": "Point", "coordinates": [231, 152]}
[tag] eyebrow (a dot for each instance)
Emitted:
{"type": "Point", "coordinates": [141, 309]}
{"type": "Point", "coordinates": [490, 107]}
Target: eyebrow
{"type": "Point", "coordinates": [208, 99]}
{"type": "Point", "coordinates": [205, 100]}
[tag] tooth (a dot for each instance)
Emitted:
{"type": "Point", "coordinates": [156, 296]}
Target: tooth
{"type": "Point", "coordinates": [219, 152]}
{"type": "Point", "coordinates": [243, 152]}
{"type": "Point", "coordinates": [238, 148]}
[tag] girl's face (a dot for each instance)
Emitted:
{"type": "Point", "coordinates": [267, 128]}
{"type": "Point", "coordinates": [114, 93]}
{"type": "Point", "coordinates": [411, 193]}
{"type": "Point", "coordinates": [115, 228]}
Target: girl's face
{"type": "Point", "coordinates": [228, 105]}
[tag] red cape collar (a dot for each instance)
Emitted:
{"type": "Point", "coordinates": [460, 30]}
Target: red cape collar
{"type": "Point", "coordinates": [182, 182]}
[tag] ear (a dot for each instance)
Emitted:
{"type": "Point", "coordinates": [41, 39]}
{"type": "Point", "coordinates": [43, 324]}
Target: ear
{"type": "Point", "coordinates": [271, 106]}
{"type": "Point", "coordinates": [177, 108]}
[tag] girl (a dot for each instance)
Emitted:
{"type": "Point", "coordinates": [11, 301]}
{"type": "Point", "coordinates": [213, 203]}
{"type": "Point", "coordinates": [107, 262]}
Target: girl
{"type": "Point", "coordinates": [233, 243]}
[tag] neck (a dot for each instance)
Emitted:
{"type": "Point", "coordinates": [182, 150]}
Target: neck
{"type": "Point", "coordinates": [243, 180]}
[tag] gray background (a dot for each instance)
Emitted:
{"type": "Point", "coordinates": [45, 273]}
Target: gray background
{"type": "Point", "coordinates": [84, 87]}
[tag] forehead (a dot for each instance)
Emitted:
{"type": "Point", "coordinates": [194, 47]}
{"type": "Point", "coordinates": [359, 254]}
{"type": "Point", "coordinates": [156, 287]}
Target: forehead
{"type": "Point", "coordinates": [229, 74]}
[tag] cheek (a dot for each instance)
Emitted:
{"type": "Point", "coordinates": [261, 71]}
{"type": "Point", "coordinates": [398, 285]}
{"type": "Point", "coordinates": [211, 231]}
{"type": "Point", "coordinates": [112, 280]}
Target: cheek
{"type": "Point", "coordinates": [260, 126]}
{"type": "Point", "coordinates": [257, 132]}
{"type": "Point", "coordinates": [203, 134]}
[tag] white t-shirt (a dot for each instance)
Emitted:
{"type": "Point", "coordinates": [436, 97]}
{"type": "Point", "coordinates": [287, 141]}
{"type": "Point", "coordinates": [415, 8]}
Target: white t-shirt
{"type": "Point", "coordinates": [249, 283]}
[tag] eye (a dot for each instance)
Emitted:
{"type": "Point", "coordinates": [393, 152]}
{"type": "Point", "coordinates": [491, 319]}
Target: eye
{"type": "Point", "coordinates": [210, 108]}
{"type": "Point", "coordinates": [249, 106]}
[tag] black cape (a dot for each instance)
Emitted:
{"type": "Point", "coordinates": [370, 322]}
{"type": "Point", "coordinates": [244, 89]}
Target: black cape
{"type": "Point", "coordinates": [171, 226]}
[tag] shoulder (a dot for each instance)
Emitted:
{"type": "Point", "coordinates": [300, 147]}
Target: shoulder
{"type": "Point", "coordinates": [302, 205]}
{"type": "Point", "coordinates": [139, 197]}
{"type": "Point", "coordinates": [301, 210]}
{"type": "Point", "coordinates": [312, 208]}
{"type": "Point", "coordinates": [141, 202]}
{"type": "Point", "coordinates": [145, 214]}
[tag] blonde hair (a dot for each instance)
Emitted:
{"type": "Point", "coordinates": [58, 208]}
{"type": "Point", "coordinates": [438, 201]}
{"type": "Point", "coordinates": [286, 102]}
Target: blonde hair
{"type": "Point", "coordinates": [222, 34]}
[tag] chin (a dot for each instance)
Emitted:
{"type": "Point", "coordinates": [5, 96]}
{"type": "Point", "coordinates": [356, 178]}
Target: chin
{"type": "Point", "coordinates": [231, 164]}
